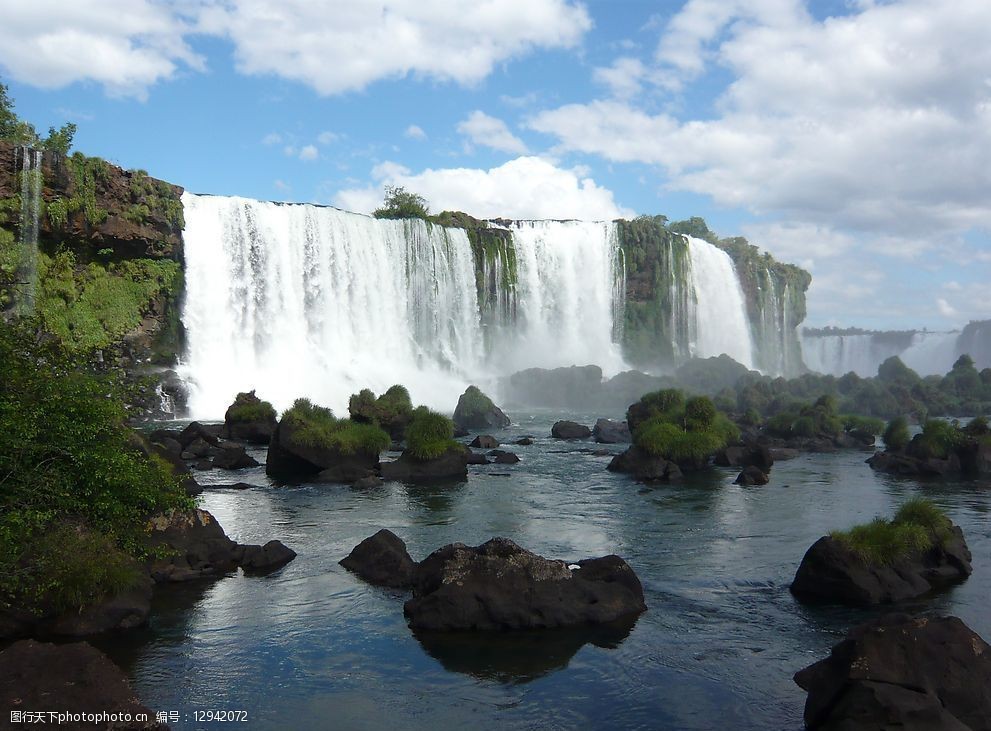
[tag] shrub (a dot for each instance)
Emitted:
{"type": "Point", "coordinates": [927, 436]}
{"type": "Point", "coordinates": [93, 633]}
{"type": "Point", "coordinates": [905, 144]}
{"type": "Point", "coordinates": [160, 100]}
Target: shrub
{"type": "Point", "coordinates": [474, 401]}
{"type": "Point", "coordinates": [251, 412]}
{"type": "Point", "coordinates": [938, 439]}
{"type": "Point", "coordinates": [862, 424]}
{"type": "Point", "coordinates": [896, 435]}
{"type": "Point", "coordinates": [391, 410]}
{"type": "Point", "coordinates": [977, 427]}
{"type": "Point", "coordinates": [317, 427]}
{"type": "Point", "coordinates": [700, 413]}
{"type": "Point", "coordinates": [401, 203]}
{"type": "Point", "coordinates": [67, 459]}
{"type": "Point", "coordinates": [429, 435]}
{"type": "Point", "coordinates": [918, 526]}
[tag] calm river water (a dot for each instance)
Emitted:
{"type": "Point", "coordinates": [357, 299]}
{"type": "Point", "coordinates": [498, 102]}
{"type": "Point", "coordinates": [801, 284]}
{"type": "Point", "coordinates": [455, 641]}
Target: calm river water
{"type": "Point", "coordinates": [313, 647]}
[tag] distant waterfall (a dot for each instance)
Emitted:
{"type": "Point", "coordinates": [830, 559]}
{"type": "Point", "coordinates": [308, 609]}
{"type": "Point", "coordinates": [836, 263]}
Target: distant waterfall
{"type": "Point", "coordinates": [27, 274]}
{"type": "Point", "coordinates": [719, 323]}
{"type": "Point", "coordinates": [927, 353]}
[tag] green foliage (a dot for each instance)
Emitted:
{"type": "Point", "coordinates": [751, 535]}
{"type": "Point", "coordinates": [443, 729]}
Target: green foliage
{"type": "Point", "coordinates": [938, 439]}
{"type": "Point", "coordinates": [137, 214]}
{"type": "Point", "coordinates": [12, 128]}
{"type": "Point", "coordinates": [87, 172]}
{"type": "Point", "coordinates": [862, 424]}
{"type": "Point", "coordinates": [429, 434]}
{"type": "Point", "coordinates": [686, 432]}
{"type": "Point", "coordinates": [896, 434]}
{"type": "Point", "coordinates": [93, 306]}
{"type": "Point", "coordinates": [317, 427]}
{"type": "Point", "coordinates": [392, 409]}
{"type": "Point", "coordinates": [77, 483]}
{"type": "Point", "coordinates": [977, 427]}
{"type": "Point", "coordinates": [401, 203]}
{"type": "Point", "coordinates": [60, 140]}
{"type": "Point", "coordinates": [251, 412]}
{"type": "Point", "coordinates": [917, 527]}
{"type": "Point", "coordinates": [59, 210]}
{"type": "Point", "coordinates": [474, 401]}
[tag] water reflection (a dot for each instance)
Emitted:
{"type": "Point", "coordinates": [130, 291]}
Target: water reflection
{"type": "Point", "coordinates": [520, 656]}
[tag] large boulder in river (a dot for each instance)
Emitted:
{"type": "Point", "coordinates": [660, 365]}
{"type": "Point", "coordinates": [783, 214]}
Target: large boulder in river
{"type": "Point", "coordinates": [751, 475]}
{"type": "Point", "coordinates": [901, 672]}
{"type": "Point", "coordinates": [73, 679]}
{"type": "Point", "coordinates": [249, 419]}
{"type": "Point", "coordinates": [570, 430]}
{"type": "Point", "coordinates": [382, 559]}
{"type": "Point", "coordinates": [607, 431]}
{"type": "Point", "coordinates": [832, 571]}
{"type": "Point", "coordinates": [750, 455]}
{"type": "Point", "coordinates": [644, 466]}
{"type": "Point", "coordinates": [475, 410]}
{"type": "Point", "coordinates": [310, 443]}
{"type": "Point", "coordinates": [452, 464]}
{"type": "Point", "coordinates": [576, 387]}
{"type": "Point", "coordinates": [191, 544]}
{"type": "Point", "coordinates": [500, 586]}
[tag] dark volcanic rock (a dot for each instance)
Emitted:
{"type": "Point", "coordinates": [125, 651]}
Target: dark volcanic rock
{"type": "Point", "coordinates": [451, 465]}
{"type": "Point", "coordinates": [484, 441]}
{"type": "Point", "coordinates": [783, 454]}
{"type": "Point", "coordinates": [570, 430]}
{"type": "Point", "coordinates": [751, 455]}
{"type": "Point", "coordinates": [500, 586]}
{"type": "Point", "coordinates": [125, 610]}
{"type": "Point", "coordinates": [751, 475]}
{"type": "Point", "coordinates": [524, 442]}
{"type": "Point", "coordinates": [571, 387]}
{"type": "Point", "coordinates": [366, 483]}
{"type": "Point", "coordinates": [290, 460]}
{"type": "Point", "coordinates": [257, 430]}
{"type": "Point", "coordinates": [269, 557]}
{"type": "Point", "coordinates": [607, 431]}
{"type": "Point", "coordinates": [197, 547]}
{"type": "Point", "coordinates": [831, 572]}
{"type": "Point", "coordinates": [476, 458]}
{"type": "Point", "coordinates": [74, 678]}
{"type": "Point", "coordinates": [504, 457]}
{"type": "Point", "coordinates": [901, 672]}
{"type": "Point", "coordinates": [645, 467]}
{"type": "Point", "coordinates": [475, 410]}
{"type": "Point", "coordinates": [196, 431]}
{"type": "Point", "coordinates": [233, 457]}
{"type": "Point", "coordinates": [382, 560]}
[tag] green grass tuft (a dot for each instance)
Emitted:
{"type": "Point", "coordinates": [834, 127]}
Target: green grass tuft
{"type": "Point", "coordinates": [918, 526]}
{"type": "Point", "coordinates": [429, 435]}
{"type": "Point", "coordinates": [317, 427]}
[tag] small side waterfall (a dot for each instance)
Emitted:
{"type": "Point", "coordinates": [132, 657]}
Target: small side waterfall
{"type": "Point", "coordinates": [719, 324]}
{"type": "Point", "coordinates": [27, 271]}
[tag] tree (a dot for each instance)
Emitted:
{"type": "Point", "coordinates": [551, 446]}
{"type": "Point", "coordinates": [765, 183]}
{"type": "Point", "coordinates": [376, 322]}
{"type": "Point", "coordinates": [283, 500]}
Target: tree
{"type": "Point", "coordinates": [16, 130]}
{"type": "Point", "coordinates": [60, 140]}
{"type": "Point", "coordinates": [401, 203]}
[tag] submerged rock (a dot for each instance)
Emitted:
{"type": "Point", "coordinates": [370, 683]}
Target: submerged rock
{"type": "Point", "coordinates": [74, 678]}
{"type": "Point", "coordinates": [477, 458]}
{"type": "Point", "coordinates": [751, 455]}
{"type": "Point", "coordinates": [271, 556]}
{"type": "Point", "coordinates": [831, 572]}
{"type": "Point", "coordinates": [484, 441]}
{"type": "Point", "coordinates": [503, 457]}
{"type": "Point", "coordinates": [475, 410]}
{"type": "Point", "coordinates": [607, 431]}
{"type": "Point", "coordinates": [382, 559]}
{"type": "Point", "coordinates": [366, 483]}
{"type": "Point", "coordinates": [570, 430]}
{"type": "Point", "coordinates": [500, 586]}
{"type": "Point", "coordinates": [233, 457]}
{"type": "Point", "coordinates": [751, 475]}
{"type": "Point", "coordinates": [901, 672]}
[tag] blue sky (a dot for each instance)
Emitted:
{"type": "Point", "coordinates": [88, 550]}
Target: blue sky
{"type": "Point", "coordinates": [851, 137]}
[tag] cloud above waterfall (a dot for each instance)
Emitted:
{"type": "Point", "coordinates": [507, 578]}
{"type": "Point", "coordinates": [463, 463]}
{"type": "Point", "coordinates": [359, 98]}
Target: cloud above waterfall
{"type": "Point", "coordinates": [873, 121]}
{"type": "Point", "coordinates": [526, 187]}
{"type": "Point", "coordinates": [123, 45]}
{"type": "Point", "coordinates": [336, 46]}
{"type": "Point", "coordinates": [481, 129]}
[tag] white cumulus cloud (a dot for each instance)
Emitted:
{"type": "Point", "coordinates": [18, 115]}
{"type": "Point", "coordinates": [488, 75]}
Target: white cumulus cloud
{"type": "Point", "coordinates": [414, 132]}
{"type": "Point", "coordinates": [482, 129]}
{"type": "Point", "coordinates": [336, 46]}
{"type": "Point", "coordinates": [526, 187]}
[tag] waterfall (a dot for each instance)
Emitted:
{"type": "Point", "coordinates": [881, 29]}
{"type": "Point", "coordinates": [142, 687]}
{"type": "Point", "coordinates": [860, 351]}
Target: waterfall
{"type": "Point", "coordinates": [27, 274]}
{"type": "Point", "coordinates": [927, 353]}
{"type": "Point", "coordinates": [719, 322]}
{"type": "Point", "coordinates": [568, 287]}
{"type": "Point", "coordinates": [301, 300]}
{"type": "Point", "coordinates": [298, 300]}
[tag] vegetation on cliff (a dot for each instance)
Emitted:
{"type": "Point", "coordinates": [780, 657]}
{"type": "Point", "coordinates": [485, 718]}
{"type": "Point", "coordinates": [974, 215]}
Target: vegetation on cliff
{"type": "Point", "coordinates": [76, 486]}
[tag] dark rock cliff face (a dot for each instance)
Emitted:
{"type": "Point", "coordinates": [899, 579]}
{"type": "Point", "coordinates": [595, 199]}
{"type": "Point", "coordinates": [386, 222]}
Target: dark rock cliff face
{"type": "Point", "coordinates": [110, 200]}
{"type": "Point", "coordinates": [109, 261]}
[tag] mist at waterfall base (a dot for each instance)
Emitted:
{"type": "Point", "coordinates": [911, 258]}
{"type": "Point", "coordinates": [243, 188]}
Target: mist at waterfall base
{"type": "Point", "coordinates": [302, 300]}
{"type": "Point", "coordinates": [927, 353]}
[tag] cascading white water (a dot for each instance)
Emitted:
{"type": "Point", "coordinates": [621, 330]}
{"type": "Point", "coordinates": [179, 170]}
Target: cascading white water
{"type": "Point", "coordinates": [298, 300]}
{"type": "Point", "coordinates": [927, 353]}
{"type": "Point", "coordinates": [30, 213]}
{"type": "Point", "coordinates": [719, 323]}
{"type": "Point", "coordinates": [567, 295]}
